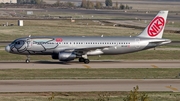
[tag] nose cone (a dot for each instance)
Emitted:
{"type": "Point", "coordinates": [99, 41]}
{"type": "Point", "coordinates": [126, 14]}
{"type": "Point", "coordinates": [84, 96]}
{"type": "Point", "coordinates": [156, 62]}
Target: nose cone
{"type": "Point", "coordinates": [7, 48]}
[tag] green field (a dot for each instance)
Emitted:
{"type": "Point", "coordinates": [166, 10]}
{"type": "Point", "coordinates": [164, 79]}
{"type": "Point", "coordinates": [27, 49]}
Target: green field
{"type": "Point", "coordinates": [61, 28]}
{"type": "Point", "coordinates": [109, 73]}
{"type": "Point", "coordinates": [66, 28]}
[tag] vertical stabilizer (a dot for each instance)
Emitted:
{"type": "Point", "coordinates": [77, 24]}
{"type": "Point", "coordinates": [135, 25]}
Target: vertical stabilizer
{"type": "Point", "coordinates": [156, 27]}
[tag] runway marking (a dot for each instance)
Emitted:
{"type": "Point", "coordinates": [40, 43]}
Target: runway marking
{"type": "Point", "coordinates": [154, 66]}
{"type": "Point", "coordinates": [86, 66]}
{"type": "Point", "coordinates": [172, 88]}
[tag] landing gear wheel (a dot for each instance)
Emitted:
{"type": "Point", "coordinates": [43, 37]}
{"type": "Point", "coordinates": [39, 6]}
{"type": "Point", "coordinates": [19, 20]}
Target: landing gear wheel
{"type": "Point", "coordinates": [27, 61]}
{"type": "Point", "coordinates": [81, 59]}
{"type": "Point", "coordinates": [86, 61]}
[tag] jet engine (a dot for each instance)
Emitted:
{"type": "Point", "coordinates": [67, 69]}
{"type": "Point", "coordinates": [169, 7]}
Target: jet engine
{"type": "Point", "coordinates": [64, 56]}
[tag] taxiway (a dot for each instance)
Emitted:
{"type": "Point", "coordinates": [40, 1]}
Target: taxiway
{"type": "Point", "coordinates": [89, 85]}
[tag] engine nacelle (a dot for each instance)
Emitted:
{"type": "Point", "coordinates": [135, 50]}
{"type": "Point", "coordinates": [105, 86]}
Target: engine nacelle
{"type": "Point", "coordinates": [66, 56]}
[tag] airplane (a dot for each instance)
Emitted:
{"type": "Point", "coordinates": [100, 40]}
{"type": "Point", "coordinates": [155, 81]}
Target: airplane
{"type": "Point", "coordinates": [68, 48]}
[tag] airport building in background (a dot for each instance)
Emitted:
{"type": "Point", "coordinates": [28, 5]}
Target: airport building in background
{"type": "Point", "coordinates": [8, 1]}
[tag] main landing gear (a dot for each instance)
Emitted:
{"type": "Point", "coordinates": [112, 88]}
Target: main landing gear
{"type": "Point", "coordinates": [86, 61]}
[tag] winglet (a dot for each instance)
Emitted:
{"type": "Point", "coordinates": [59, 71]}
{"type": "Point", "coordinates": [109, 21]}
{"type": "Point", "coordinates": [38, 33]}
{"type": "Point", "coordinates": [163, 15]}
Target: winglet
{"type": "Point", "coordinates": [156, 27]}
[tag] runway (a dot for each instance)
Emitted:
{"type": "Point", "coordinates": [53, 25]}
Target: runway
{"type": "Point", "coordinates": [89, 85]}
{"type": "Point", "coordinates": [92, 64]}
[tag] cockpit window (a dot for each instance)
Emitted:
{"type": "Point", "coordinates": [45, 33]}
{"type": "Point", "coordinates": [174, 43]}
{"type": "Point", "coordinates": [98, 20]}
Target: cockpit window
{"type": "Point", "coordinates": [14, 42]}
{"type": "Point", "coordinates": [18, 42]}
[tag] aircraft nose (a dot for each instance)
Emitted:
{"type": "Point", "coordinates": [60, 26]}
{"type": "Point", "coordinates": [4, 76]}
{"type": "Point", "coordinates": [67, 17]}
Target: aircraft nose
{"type": "Point", "coordinates": [7, 48]}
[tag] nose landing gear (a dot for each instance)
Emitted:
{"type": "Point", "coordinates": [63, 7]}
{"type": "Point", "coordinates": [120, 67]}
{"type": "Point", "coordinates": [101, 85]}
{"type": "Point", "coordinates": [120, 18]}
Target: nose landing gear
{"type": "Point", "coordinates": [28, 59]}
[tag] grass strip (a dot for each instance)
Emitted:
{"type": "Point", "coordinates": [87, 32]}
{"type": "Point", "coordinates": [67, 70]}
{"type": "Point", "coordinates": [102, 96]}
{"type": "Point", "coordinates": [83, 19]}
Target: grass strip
{"type": "Point", "coordinates": [66, 28]}
{"type": "Point", "coordinates": [120, 73]}
{"type": "Point", "coordinates": [85, 96]}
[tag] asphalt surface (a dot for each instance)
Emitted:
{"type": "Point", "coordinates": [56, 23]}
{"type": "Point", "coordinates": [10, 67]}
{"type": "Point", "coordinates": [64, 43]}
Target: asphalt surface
{"type": "Point", "coordinates": [93, 64]}
{"type": "Point", "coordinates": [89, 85]}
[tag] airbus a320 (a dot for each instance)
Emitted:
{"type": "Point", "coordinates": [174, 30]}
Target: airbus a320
{"type": "Point", "coordinates": [69, 48]}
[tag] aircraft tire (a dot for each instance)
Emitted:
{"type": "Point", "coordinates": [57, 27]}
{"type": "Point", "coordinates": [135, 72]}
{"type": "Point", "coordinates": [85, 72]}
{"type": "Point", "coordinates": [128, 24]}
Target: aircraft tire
{"type": "Point", "coordinates": [86, 61]}
{"type": "Point", "coordinates": [27, 61]}
{"type": "Point", "coordinates": [81, 59]}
